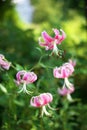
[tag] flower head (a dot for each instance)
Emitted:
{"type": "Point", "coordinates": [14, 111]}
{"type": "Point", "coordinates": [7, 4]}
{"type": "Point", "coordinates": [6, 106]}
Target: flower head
{"type": "Point", "coordinates": [23, 78]}
{"type": "Point", "coordinates": [64, 72]}
{"type": "Point", "coordinates": [50, 43]}
{"type": "Point", "coordinates": [66, 91]}
{"type": "Point", "coordinates": [42, 101]}
{"type": "Point", "coordinates": [4, 64]}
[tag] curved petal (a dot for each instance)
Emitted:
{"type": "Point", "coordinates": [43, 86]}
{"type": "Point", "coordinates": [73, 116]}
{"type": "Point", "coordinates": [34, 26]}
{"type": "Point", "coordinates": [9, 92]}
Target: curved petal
{"type": "Point", "coordinates": [59, 38]}
{"type": "Point", "coordinates": [50, 97]}
{"type": "Point", "coordinates": [63, 91]}
{"type": "Point", "coordinates": [63, 35]}
{"type": "Point", "coordinates": [32, 102]}
{"type": "Point", "coordinates": [56, 31]}
{"type": "Point", "coordinates": [46, 37]}
{"type": "Point", "coordinates": [57, 72]}
{"type": "Point", "coordinates": [19, 74]}
{"type": "Point", "coordinates": [2, 56]}
{"type": "Point", "coordinates": [30, 77]}
{"type": "Point", "coordinates": [46, 97]}
{"type": "Point", "coordinates": [6, 65]}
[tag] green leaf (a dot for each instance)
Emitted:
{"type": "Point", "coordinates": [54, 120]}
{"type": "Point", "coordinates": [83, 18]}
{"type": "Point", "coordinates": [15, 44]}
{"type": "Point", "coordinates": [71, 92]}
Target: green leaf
{"type": "Point", "coordinates": [3, 89]}
{"type": "Point", "coordinates": [39, 49]}
{"type": "Point", "coordinates": [19, 103]}
{"type": "Point", "coordinates": [19, 67]}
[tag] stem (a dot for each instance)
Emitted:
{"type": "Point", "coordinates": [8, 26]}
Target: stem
{"type": "Point", "coordinates": [13, 67]}
{"type": "Point", "coordinates": [42, 57]}
{"type": "Point", "coordinates": [38, 63]}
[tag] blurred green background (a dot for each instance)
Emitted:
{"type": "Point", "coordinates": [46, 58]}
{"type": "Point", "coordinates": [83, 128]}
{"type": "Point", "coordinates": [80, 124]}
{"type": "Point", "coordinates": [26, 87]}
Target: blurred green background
{"type": "Point", "coordinates": [19, 44]}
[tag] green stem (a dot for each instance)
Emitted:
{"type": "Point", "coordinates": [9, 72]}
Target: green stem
{"type": "Point", "coordinates": [13, 67]}
{"type": "Point", "coordinates": [38, 64]}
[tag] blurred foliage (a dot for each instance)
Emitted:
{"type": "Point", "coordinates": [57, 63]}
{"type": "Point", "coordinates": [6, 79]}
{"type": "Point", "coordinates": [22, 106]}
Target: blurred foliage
{"type": "Point", "coordinates": [19, 43]}
{"type": "Point", "coordinates": [5, 5]}
{"type": "Point", "coordinates": [55, 11]}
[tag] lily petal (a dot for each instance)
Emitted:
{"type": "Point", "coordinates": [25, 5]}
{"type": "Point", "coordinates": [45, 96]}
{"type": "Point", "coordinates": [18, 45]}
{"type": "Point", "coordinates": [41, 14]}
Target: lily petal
{"type": "Point", "coordinates": [46, 37]}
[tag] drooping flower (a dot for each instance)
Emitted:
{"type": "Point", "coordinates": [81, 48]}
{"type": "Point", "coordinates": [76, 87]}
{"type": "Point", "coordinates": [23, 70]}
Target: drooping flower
{"type": "Point", "coordinates": [50, 43]}
{"type": "Point", "coordinates": [23, 78]}
{"type": "Point", "coordinates": [66, 91]}
{"type": "Point", "coordinates": [4, 64]}
{"type": "Point", "coordinates": [42, 101]}
{"type": "Point", "coordinates": [64, 72]}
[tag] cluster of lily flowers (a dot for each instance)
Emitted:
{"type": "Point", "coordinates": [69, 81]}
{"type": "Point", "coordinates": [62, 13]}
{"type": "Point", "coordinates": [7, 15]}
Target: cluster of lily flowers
{"type": "Point", "coordinates": [24, 78]}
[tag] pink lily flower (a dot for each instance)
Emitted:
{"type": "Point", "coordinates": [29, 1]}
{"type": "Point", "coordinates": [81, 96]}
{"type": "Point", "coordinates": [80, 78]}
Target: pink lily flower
{"type": "Point", "coordinates": [42, 101]}
{"type": "Point", "coordinates": [4, 64]}
{"type": "Point", "coordinates": [66, 91]}
{"type": "Point", "coordinates": [23, 78]}
{"type": "Point", "coordinates": [64, 72]}
{"type": "Point", "coordinates": [50, 43]}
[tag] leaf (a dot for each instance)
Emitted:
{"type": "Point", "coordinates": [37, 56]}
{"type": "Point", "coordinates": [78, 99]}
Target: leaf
{"type": "Point", "coordinates": [39, 49]}
{"type": "Point", "coordinates": [3, 89]}
{"type": "Point", "coordinates": [19, 103]}
{"type": "Point", "coordinates": [19, 67]}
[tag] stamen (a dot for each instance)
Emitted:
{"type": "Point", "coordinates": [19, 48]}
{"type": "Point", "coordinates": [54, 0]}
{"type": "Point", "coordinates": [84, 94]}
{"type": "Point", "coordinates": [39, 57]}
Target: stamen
{"type": "Point", "coordinates": [69, 98]}
{"type": "Point", "coordinates": [25, 90]}
{"type": "Point", "coordinates": [45, 111]}
{"type": "Point", "coordinates": [20, 90]}
{"type": "Point", "coordinates": [52, 108]}
{"type": "Point", "coordinates": [68, 84]}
